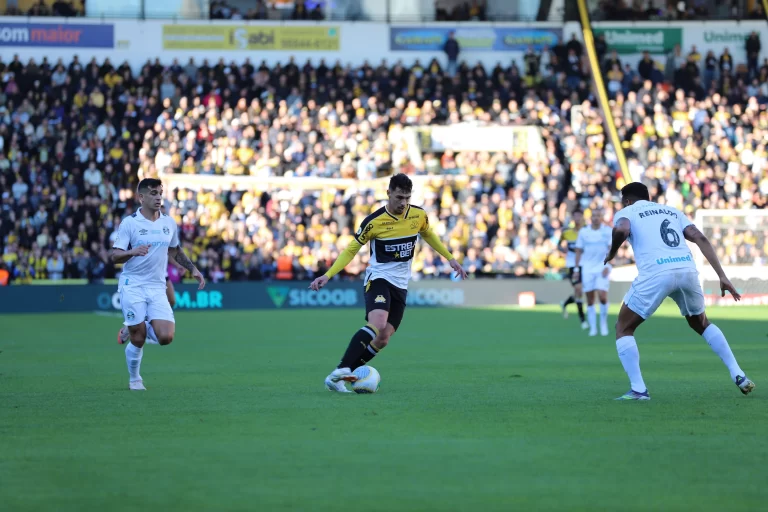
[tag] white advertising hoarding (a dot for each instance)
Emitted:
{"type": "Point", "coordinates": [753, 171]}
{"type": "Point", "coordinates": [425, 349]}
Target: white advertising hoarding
{"type": "Point", "coordinates": [350, 43]}
{"type": "Point", "coordinates": [631, 38]}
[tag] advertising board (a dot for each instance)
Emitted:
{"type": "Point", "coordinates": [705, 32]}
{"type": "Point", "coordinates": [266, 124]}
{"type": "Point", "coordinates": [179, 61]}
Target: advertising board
{"type": "Point", "coordinates": [57, 35]}
{"type": "Point", "coordinates": [473, 39]}
{"type": "Point", "coordinates": [251, 37]}
{"type": "Point", "coordinates": [656, 40]}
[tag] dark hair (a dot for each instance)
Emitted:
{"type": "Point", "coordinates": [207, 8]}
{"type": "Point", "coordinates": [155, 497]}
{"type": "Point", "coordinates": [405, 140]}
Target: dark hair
{"type": "Point", "coordinates": [577, 210]}
{"type": "Point", "coordinates": [402, 182]}
{"type": "Point", "coordinates": [148, 183]}
{"type": "Point", "coordinates": [637, 191]}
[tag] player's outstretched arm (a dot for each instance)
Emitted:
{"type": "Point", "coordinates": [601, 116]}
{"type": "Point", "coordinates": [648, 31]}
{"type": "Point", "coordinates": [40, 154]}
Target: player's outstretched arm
{"type": "Point", "coordinates": [434, 242]}
{"type": "Point", "coordinates": [346, 256]}
{"type": "Point", "coordinates": [692, 234]}
{"type": "Point", "coordinates": [619, 236]}
{"type": "Point", "coordinates": [178, 255]}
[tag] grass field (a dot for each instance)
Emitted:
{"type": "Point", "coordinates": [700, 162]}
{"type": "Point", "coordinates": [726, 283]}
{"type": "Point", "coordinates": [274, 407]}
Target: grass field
{"type": "Point", "coordinates": [478, 410]}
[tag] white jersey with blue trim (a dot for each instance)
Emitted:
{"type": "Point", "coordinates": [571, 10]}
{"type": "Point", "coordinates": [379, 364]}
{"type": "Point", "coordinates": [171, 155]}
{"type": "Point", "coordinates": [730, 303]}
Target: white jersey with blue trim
{"type": "Point", "coordinates": [657, 238]}
{"type": "Point", "coordinates": [595, 242]}
{"type": "Point", "coordinates": [150, 270]}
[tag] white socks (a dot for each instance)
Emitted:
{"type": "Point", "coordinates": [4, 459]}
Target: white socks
{"type": "Point", "coordinates": [630, 359]}
{"type": "Point", "coordinates": [604, 313]}
{"type": "Point", "coordinates": [592, 317]}
{"type": "Point", "coordinates": [151, 336]}
{"type": "Point", "coordinates": [716, 339]}
{"type": "Point", "coordinates": [133, 359]}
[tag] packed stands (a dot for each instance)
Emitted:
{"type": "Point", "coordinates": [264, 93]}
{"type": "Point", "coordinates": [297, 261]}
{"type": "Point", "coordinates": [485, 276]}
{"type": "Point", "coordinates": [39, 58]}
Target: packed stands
{"type": "Point", "coordinates": [76, 137]}
{"type": "Point", "coordinates": [695, 127]}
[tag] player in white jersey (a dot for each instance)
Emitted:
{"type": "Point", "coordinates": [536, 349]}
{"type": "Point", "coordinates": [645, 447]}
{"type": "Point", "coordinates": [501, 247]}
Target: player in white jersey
{"type": "Point", "coordinates": [591, 247]}
{"type": "Point", "coordinates": [124, 336]}
{"type": "Point", "coordinates": [568, 240]}
{"type": "Point", "coordinates": [665, 269]}
{"type": "Point", "coordinates": [144, 242]}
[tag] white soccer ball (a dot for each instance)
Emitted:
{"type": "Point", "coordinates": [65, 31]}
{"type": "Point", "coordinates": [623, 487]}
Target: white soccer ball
{"type": "Point", "coordinates": [368, 380]}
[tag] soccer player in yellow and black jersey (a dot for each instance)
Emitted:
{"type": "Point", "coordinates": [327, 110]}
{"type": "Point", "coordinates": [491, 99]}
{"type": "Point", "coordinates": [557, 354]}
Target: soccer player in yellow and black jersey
{"type": "Point", "coordinates": [393, 232]}
{"type": "Point", "coordinates": [570, 235]}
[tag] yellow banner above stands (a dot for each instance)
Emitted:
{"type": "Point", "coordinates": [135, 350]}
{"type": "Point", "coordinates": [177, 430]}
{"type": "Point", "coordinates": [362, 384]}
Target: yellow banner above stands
{"type": "Point", "coordinates": [251, 37]}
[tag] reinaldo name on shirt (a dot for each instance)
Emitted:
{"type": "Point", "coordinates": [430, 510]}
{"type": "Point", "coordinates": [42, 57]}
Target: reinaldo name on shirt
{"type": "Point", "coordinates": [648, 213]}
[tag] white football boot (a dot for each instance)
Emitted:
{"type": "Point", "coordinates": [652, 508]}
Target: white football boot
{"type": "Point", "coordinates": [335, 381]}
{"type": "Point", "coordinates": [136, 385]}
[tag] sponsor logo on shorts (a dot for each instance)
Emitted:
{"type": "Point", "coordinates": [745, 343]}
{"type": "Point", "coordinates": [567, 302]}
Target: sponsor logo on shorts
{"type": "Point", "coordinates": [673, 259]}
{"type": "Point", "coordinates": [380, 299]}
{"type": "Point", "coordinates": [131, 315]}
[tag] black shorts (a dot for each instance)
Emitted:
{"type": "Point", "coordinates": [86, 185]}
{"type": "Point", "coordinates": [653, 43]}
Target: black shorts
{"type": "Point", "coordinates": [381, 294]}
{"type": "Point", "coordinates": [574, 277]}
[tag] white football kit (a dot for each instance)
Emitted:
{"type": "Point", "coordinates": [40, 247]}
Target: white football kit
{"type": "Point", "coordinates": [142, 282]}
{"type": "Point", "coordinates": [595, 244]}
{"type": "Point", "coordinates": [664, 262]}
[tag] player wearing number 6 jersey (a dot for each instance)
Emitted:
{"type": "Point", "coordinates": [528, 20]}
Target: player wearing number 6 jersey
{"type": "Point", "coordinates": [665, 269]}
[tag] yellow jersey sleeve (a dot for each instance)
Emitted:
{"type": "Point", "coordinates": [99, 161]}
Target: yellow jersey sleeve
{"type": "Point", "coordinates": [432, 239]}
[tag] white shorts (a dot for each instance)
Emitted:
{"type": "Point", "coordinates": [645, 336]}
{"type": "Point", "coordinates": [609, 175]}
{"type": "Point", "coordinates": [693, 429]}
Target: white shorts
{"type": "Point", "coordinates": [139, 303]}
{"type": "Point", "coordinates": [592, 281]}
{"type": "Point", "coordinates": [682, 286]}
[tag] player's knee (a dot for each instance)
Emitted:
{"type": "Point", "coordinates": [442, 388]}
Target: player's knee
{"type": "Point", "coordinates": [622, 330]}
{"type": "Point", "coordinates": [380, 324]}
{"type": "Point", "coordinates": [165, 338]}
{"type": "Point", "coordinates": [137, 334]}
{"type": "Point", "coordinates": [698, 323]}
{"type": "Point", "coordinates": [382, 340]}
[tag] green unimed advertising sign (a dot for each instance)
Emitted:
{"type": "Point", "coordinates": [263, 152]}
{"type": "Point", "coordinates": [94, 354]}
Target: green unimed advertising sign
{"type": "Point", "coordinates": [637, 40]}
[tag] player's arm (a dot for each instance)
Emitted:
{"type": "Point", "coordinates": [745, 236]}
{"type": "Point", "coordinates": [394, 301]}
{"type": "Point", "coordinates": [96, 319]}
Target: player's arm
{"type": "Point", "coordinates": [619, 236]}
{"type": "Point", "coordinates": [177, 254]}
{"type": "Point", "coordinates": [435, 243]}
{"type": "Point", "coordinates": [692, 234]}
{"type": "Point", "coordinates": [344, 259]}
{"type": "Point", "coordinates": [120, 252]}
{"type": "Point", "coordinates": [578, 250]}
{"type": "Point", "coordinates": [119, 256]}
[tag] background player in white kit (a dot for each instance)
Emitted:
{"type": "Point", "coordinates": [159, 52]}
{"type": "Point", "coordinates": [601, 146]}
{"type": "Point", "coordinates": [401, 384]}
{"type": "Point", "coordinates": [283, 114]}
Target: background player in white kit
{"type": "Point", "coordinates": [591, 246]}
{"type": "Point", "coordinates": [665, 269]}
{"type": "Point", "coordinates": [569, 237]}
{"type": "Point", "coordinates": [144, 242]}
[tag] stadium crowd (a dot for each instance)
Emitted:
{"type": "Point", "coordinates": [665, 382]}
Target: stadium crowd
{"type": "Point", "coordinates": [76, 137]}
{"type": "Point", "coordinates": [696, 128]}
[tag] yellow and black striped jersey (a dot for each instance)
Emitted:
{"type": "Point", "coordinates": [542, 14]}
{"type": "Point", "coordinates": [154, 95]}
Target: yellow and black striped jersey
{"type": "Point", "coordinates": [570, 235]}
{"type": "Point", "coordinates": [393, 242]}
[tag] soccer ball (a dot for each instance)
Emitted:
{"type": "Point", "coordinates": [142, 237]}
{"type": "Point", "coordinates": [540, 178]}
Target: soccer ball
{"type": "Point", "coordinates": [368, 380]}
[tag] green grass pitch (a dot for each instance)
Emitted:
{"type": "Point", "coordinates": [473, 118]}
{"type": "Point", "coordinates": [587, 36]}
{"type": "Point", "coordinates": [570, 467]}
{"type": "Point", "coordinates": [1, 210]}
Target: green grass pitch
{"type": "Point", "coordinates": [478, 410]}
